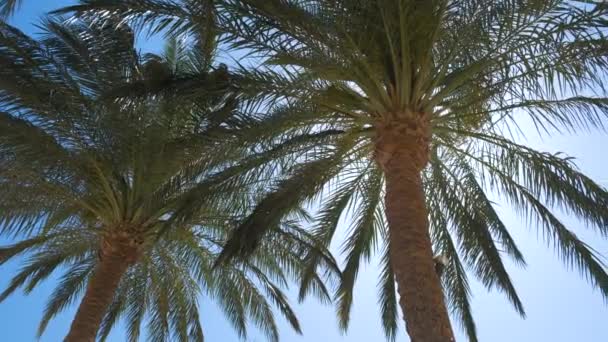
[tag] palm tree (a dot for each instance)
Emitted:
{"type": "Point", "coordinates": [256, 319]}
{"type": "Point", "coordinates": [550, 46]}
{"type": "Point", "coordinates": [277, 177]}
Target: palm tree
{"type": "Point", "coordinates": [402, 110]}
{"type": "Point", "coordinates": [425, 92]}
{"type": "Point", "coordinates": [91, 185]}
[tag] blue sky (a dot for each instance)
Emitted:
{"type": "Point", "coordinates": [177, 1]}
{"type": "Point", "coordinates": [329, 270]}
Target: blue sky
{"type": "Point", "coordinates": [561, 306]}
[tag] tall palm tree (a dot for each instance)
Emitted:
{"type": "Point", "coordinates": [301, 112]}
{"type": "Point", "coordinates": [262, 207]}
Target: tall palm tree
{"type": "Point", "coordinates": [402, 109]}
{"type": "Point", "coordinates": [91, 185]}
{"type": "Point", "coordinates": [428, 90]}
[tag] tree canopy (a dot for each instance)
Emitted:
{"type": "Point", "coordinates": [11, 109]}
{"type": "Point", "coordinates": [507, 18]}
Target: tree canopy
{"type": "Point", "coordinates": [75, 163]}
{"type": "Point", "coordinates": [331, 76]}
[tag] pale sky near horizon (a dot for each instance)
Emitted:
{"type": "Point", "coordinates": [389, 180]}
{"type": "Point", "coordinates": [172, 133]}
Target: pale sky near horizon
{"type": "Point", "coordinates": [561, 306]}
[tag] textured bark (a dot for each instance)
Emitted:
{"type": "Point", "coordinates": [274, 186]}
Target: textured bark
{"type": "Point", "coordinates": [117, 253]}
{"type": "Point", "coordinates": [402, 151]}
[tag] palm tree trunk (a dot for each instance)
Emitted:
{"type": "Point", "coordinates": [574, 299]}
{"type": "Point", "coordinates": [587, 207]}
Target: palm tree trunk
{"type": "Point", "coordinates": [115, 258]}
{"type": "Point", "coordinates": [402, 152]}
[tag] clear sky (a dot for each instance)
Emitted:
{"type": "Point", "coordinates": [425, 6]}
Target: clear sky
{"type": "Point", "coordinates": [561, 306]}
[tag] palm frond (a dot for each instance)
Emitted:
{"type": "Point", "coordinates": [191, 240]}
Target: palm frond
{"type": "Point", "coordinates": [8, 7]}
{"type": "Point", "coordinates": [70, 287]}
{"type": "Point", "coordinates": [454, 278]}
{"type": "Point", "coordinates": [476, 242]}
{"type": "Point", "coordinates": [575, 253]}
{"type": "Point", "coordinates": [387, 294]}
{"type": "Point", "coordinates": [290, 194]}
{"type": "Point", "coordinates": [361, 243]}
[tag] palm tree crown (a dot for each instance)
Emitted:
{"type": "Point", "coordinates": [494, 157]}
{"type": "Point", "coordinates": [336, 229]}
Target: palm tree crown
{"type": "Point", "coordinates": [84, 176]}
